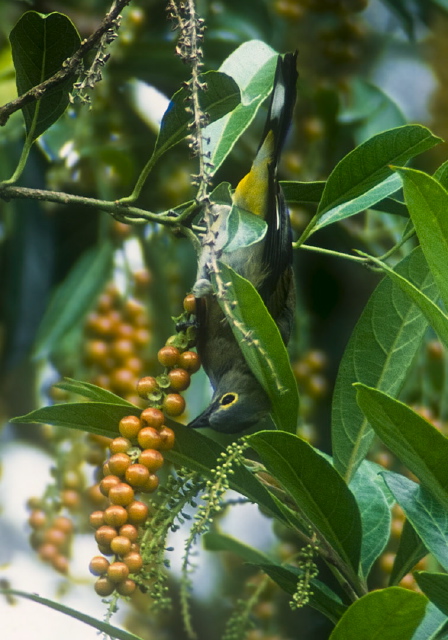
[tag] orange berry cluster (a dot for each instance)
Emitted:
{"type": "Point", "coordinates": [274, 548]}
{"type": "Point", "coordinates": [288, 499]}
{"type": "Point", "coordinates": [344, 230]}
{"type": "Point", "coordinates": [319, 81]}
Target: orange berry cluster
{"type": "Point", "coordinates": [135, 457]}
{"type": "Point", "coordinates": [51, 535]}
{"type": "Point", "coordinates": [119, 332]}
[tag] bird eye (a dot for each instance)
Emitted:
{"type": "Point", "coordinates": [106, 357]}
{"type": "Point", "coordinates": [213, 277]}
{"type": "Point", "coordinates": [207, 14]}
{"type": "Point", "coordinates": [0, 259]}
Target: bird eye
{"type": "Point", "coordinates": [228, 399]}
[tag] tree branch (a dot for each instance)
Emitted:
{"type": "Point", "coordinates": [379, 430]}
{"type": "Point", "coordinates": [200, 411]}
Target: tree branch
{"type": "Point", "coordinates": [69, 68]}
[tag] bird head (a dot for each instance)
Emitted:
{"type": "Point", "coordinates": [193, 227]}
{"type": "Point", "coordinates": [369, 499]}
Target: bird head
{"type": "Point", "coordinates": [239, 402]}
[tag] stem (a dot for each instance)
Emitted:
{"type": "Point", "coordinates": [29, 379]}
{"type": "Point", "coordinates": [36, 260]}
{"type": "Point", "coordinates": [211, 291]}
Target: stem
{"type": "Point", "coordinates": [130, 215]}
{"type": "Point", "coordinates": [329, 252]}
{"type": "Point", "coordinates": [404, 239]}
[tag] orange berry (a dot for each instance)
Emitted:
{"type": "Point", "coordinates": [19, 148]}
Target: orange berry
{"type": "Point", "coordinates": [190, 303]}
{"type": "Point", "coordinates": [104, 535]}
{"type": "Point", "coordinates": [63, 523]}
{"type": "Point", "coordinates": [115, 515]}
{"type": "Point", "coordinates": [126, 588]}
{"type": "Point", "coordinates": [55, 536]}
{"type": "Point", "coordinates": [125, 330]}
{"type": "Point", "coordinates": [137, 512]}
{"type": "Point", "coordinates": [129, 531]}
{"type": "Point", "coordinates": [129, 426]}
{"type": "Point", "coordinates": [121, 545]}
{"type": "Point", "coordinates": [60, 563]}
{"type": "Point", "coordinates": [70, 498]}
{"type": "Point", "coordinates": [47, 551]}
{"type": "Point", "coordinates": [104, 587]}
{"type": "Point", "coordinates": [168, 356]}
{"type": "Point", "coordinates": [122, 349]}
{"type": "Point", "coordinates": [152, 417]}
{"type": "Point", "coordinates": [168, 439]}
{"type": "Point", "coordinates": [179, 379]}
{"type": "Point", "coordinates": [134, 364]}
{"type": "Point", "coordinates": [146, 386]}
{"type": "Point", "coordinates": [190, 361]}
{"type": "Point", "coordinates": [37, 519]}
{"type": "Point", "coordinates": [133, 561]}
{"type": "Point", "coordinates": [141, 337]}
{"type": "Point", "coordinates": [118, 463]}
{"type": "Point", "coordinates": [151, 483]}
{"type": "Point", "coordinates": [119, 445]}
{"type": "Point", "coordinates": [173, 404]}
{"type": "Point", "coordinates": [117, 572]}
{"type": "Point", "coordinates": [98, 565]}
{"type": "Point", "coordinates": [121, 494]}
{"type": "Point", "coordinates": [149, 438]}
{"type": "Point", "coordinates": [96, 519]}
{"type": "Point", "coordinates": [96, 351]}
{"type": "Point", "coordinates": [107, 483]}
{"type": "Point", "coordinates": [123, 380]}
{"type": "Point", "coordinates": [137, 475]}
{"type": "Point", "coordinates": [152, 459]}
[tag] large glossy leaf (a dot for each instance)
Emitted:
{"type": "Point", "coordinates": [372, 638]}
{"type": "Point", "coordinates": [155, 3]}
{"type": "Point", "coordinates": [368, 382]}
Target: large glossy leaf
{"type": "Point", "coordinates": [93, 417]}
{"type": "Point", "coordinates": [427, 515]}
{"type": "Point", "coordinates": [365, 173]}
{"type": "Point", "coordinates": [380, 353]}
{"type": "Point", "coordinates": [73, 298]}
{"type": "Point", "coordinates": [368, 489]}
{"type": "Point", "coordinates": [105, 628]}
{"type": "Point", "coordinates": [435, 586]}
{"type": "Point", "coordinates": [40, 44]}
{"type": "Point", "coordinates": [243, 229]}
{"type": "Point", "coordinates": [92, 392]}
{"type": "Point", "coordinates": [389, 614]}
{"type": "Point", "coordinates": [317, 489]}
{"type": "Point", "coordinates": [252, 66]}
{"type": "Point", "coordinates": [432, 625]}
{"type": "Point", "coordinates": [427, 202]}
{"type": "Point", "coordinates": [322, 598]}
{"type": "Point", "coordinates": [434, 314]}
{"type": "Point", "coordinates": [262, 346]}
{"type": "Point", "coordinates": [414, 440]}
{"type": "Point", "coordinates": [222, 95]}
{"type": "Point", "coordinates": [410, 550]}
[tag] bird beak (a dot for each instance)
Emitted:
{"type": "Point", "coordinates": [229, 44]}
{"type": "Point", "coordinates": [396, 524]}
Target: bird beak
{"type": "Point", "coordinates": [202, 420]}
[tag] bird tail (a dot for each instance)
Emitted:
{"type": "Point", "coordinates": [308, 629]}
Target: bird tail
{"type": "Point", "coordinates": [255, 191]}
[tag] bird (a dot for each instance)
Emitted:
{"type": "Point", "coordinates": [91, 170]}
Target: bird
{"type": "Point", "coordinates": [239, 402]}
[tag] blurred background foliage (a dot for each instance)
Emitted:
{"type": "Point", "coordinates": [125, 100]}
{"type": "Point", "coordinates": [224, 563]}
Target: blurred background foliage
{"type": "Point", "coordinates": [364, 66]}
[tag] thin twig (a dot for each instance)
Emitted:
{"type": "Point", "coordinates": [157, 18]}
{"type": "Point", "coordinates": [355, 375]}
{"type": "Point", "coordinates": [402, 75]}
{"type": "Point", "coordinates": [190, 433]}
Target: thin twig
{"type": "Point", "coordinates": [70, 67]}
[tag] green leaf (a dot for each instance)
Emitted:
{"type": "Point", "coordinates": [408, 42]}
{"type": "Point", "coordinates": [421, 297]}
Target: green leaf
{"type": "Point", "coordinates": [414, 440]}
{"type": "Point", "coordinates": [221, 542]}
{"type": "Point", "coordinates": [367, 487]}
{"type": "Point", "coordinates": [427, 515]}
{"type": "Point", "coordinates": [432, 624]}
{"type": "Point", "coordinates": [434, 315]}
{"type": "Point", "coordinates": [93, 417]}
{"type": "Point", "coordinates": [199, 453]}
{"type": "Point", "coordinates": [370, 109]}
{"type": "Point", "coordinates": [427, 202]}
{"type": "Point", "coordinates": [441, 174]}
{"type": "Point", "coordinates": [302, 192]}
{"type": "Point", "coordinates": [252, 66]}
{"type": "Point", "coordinates": [243, 229]}
{"type": "Point", "coordinates": [40, 44]}
{"type": "Point", "coordinates": [73, 298]}
{"type": "Point", "coordinates": [322, 598]}
{"type": "Point", "coordinates": [435, 586]}
{"type": "Point", "coordinates": [104, 627]}
{"type": "Point", "coordinates": [92, 392]}
{"type": "Point", "coordinates": [315, 487]}
{"type": "Point", "coordinates": [380, 353]}
{"type": "Point", "coordinates": [364, 177]}
{"type": "Point", "coordinates": [222, 95]}
{"type": "Point", "coordinates": [390, 614]}
{"type": "Point", "coordinates": [265, 352]}
{"type": "Point", "coordinates": [410, 550]}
